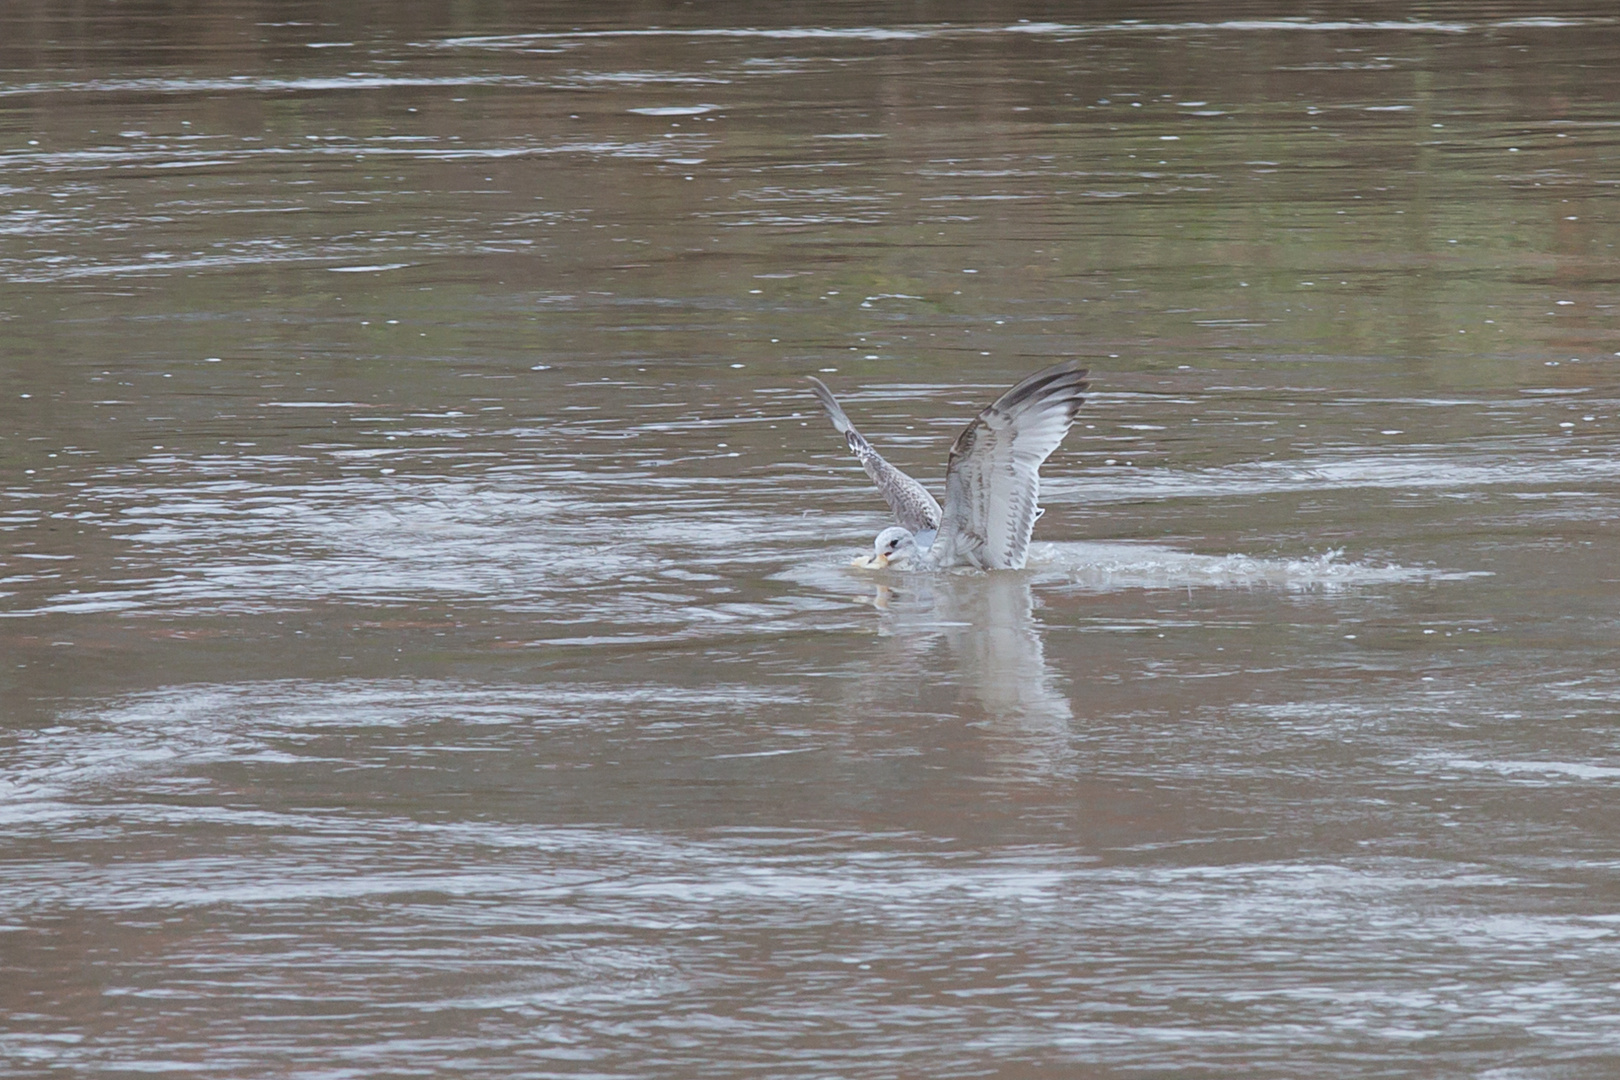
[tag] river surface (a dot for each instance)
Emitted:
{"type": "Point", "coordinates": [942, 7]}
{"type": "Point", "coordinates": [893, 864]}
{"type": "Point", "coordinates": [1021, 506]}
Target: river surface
{"type": "Point", "coordinates": [427, 640]}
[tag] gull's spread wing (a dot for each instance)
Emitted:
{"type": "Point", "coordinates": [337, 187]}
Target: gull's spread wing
{"type": "Point", "coordinates": [993, 479]}
{"type": "Point", "coordinates": [913, 507]}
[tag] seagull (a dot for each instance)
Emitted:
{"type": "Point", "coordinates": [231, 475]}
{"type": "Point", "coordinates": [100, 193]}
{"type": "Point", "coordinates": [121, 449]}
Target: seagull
{"type": "Point", "coordinates": [992, 478]}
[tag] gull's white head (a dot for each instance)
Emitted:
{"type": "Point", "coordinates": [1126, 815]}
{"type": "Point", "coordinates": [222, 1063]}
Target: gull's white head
{"type": "Point", "coordinates": [893, 546]}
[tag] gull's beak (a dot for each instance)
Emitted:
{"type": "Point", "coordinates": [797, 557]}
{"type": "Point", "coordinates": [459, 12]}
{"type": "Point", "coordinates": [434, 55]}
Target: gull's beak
{"type": "Point", "coordinates": [879, 561]}
{"type": "Point", "coordinates": [870, 562]}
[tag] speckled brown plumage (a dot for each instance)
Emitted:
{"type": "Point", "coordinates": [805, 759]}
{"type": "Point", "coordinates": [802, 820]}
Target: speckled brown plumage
{"type": "Point", "coordinates": [913, 507]}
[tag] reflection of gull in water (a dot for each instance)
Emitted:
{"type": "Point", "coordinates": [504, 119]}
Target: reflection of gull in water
{"type": "Point", "coordinates": [992, 480]}
{"type": "Point", "coordinates": [996, 653]}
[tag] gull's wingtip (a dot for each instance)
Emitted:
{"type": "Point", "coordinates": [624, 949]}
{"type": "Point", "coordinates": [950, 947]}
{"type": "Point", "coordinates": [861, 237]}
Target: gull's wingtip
{"type": "Point", "coordinates": [829, 404]}
{"type": "Point", "coordinates": [1065, 378]}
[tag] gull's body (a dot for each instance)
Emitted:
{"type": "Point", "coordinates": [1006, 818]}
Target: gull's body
{"type": "Point", "coordinates": [992, 480]}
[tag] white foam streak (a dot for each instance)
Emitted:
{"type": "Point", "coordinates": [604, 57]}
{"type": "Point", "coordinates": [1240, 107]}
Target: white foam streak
{"type": "Point", "coordinates": [1419, 470]}
{"type": "Point", "coordinates": [1036, 29]}
{"type": "Point", "coordinates": [1110, 567]}
{"type": "Point", "coordinates": [256, 85]}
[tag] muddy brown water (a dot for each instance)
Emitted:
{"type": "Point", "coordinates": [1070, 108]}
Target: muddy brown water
{"type": "Point", "coordinates": [428, 641]}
